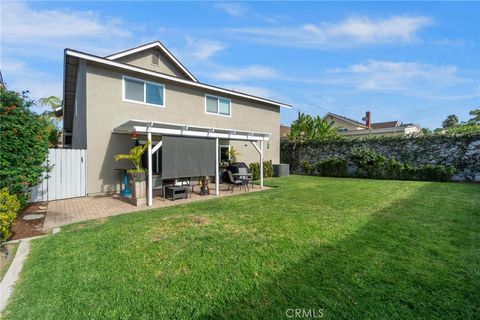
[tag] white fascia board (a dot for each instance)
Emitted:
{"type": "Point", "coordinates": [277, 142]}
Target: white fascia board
{"type": "Point", "coordinates": [156, 44]}
{"type": "Point", "coordinates": [187, 126]}
{"type": "Point", "coordinates": [198, 134]}
{"type": "Point", "coordinates": [89, 57]}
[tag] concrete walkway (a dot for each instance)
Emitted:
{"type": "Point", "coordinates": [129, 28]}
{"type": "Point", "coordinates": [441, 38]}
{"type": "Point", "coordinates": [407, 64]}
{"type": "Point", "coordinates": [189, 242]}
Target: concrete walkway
{"type": "Point", "coordinates": [8, 281]}
{"type": "Point", "coordinates": [63, 212]}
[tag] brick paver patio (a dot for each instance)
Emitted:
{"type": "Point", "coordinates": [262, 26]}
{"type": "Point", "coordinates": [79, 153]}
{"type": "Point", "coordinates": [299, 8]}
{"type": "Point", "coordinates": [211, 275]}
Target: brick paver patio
{"type": "Point", "coordinates": [63, 212]}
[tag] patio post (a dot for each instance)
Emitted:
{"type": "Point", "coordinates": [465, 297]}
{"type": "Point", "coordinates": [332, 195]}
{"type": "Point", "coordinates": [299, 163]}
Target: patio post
{"type": "Point", "coordinates": [261, 163]}
{"type": "Point", "coordinates": [217, 188]}
{"type": "Point", "coordinates": [150, 187]}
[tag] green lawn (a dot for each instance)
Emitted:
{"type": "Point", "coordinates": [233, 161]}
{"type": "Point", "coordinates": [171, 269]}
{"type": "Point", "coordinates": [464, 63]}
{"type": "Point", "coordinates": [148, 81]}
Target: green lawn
{"type": "Point", "coordinates": [355, 248]}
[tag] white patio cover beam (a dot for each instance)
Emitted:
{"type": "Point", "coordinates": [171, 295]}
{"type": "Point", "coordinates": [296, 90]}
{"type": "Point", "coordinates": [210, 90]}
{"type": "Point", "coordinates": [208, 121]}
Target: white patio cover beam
{"type": "Point", "coordinates": [200, 134]}
{"type": "Point", "coordinates": [150, 187]}
{"type": "Point", "coordinates": [157, 146]}
{"type": "Point", "coordinates": [260, 151]}
{"type": "Point", "coordinates": [217, 177]}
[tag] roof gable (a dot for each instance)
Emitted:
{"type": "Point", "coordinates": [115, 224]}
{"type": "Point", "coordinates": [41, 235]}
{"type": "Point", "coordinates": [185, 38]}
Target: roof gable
{"type": "Point", "coordinates": [355, 122]}
{"type": "Point", "coordinates": [133, 56]}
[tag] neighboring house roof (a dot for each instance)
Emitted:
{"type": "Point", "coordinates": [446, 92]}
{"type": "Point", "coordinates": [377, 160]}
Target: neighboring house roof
{"type": "Point", "coordinates": [355, 122]}
{"type": "Point", "coordinates": [405, 129]}
{"type": "Point", "coordinates": [112, 63]}
{"type": "Point", "coordinates": [386, 124]}
{"type": "Point", "coordinates": [284, 131]}
{"type": "Point", "coordinates": [151, 45]}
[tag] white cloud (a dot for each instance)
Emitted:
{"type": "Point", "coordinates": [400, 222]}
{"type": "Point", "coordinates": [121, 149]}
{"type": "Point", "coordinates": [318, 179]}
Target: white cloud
{"type": "Point", "coordinates": [202, 48]}
{"type": "Point", "coordinates": [25, 29]}
{"type": "Point", "coordinates": [239, 74]}
{"type": "Point", "coordinates": [232, 8]}
{"type": "Point", "coordinates": [352, 32]}
{"type": "Point", "coordinates": [395, 76]}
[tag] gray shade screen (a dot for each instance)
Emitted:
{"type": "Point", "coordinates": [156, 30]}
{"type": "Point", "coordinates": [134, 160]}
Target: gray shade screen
{"type": "Point", "coordinates": [187, 157]}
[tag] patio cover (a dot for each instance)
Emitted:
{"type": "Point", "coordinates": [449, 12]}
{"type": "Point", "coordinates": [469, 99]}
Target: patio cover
{"type": "Point", "coordinates": [165, 128]}
{"type": "Point", "coordinates": [185, 130]}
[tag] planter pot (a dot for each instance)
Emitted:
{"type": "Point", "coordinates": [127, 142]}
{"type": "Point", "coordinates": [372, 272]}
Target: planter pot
{"type": "Point", "coordinates": [140, 176]}
{"type": "Point", "coordinates": [139, 188]}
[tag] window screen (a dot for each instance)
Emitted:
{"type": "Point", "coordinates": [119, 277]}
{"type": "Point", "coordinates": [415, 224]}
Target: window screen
{"type": "Point", "coordinates": [224, 106]}
{"type": "Point", "coordinates": [134, 90]}
{"type": "Point", "coordinates": [212, 104]}
{"type": "Point", "coordinates": [154, 93]}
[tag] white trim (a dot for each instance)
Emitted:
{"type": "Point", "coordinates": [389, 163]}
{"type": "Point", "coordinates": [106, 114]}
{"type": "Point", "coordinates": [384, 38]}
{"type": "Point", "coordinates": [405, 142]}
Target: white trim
{"type": "Point", "coordinates": [144, 92]}
{"type": "Point", "coordinates": [218, 106]}
{"type": "Point", "coordinates": [171, 78]}
{"type": "Point", "coordinates": [149, 46]}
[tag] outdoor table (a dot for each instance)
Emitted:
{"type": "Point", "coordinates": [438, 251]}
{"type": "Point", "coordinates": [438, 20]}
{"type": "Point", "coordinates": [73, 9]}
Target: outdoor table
{"type": "Point", "coordinates": [174, 192]}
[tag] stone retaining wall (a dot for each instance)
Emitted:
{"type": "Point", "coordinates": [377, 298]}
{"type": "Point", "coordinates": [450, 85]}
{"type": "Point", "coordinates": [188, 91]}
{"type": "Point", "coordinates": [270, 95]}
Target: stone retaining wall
{"type": "Point", "coordinates": [461, 152]}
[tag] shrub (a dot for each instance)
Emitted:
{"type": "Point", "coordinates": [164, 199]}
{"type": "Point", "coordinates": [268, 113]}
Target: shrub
{"type": "Point", "coordinates": [430, 172]}
{"type": "Point", "coordinates": [23, 144]}
{"type": "Point", "coordinates": [9, 208]}
{"type": "Point", "coordinates": [307, 167]}
{"type": "Point", "coordinates": [333, 167]}
{"type": "Point", "coordinates": [267, 169]}
{"type": "Point", "coordinates": [369, 163]}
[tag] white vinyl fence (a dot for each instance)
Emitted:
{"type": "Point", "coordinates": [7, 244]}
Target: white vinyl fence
{"type": "Point", "coordinates": [67, 178]}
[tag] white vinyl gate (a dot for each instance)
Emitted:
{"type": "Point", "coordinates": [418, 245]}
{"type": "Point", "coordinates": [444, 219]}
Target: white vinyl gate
{"type": "Point", "coordinates": [67, 178]}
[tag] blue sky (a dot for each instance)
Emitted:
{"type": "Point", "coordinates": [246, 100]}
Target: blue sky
{"type": "Point", "coordinates": [408, 61]}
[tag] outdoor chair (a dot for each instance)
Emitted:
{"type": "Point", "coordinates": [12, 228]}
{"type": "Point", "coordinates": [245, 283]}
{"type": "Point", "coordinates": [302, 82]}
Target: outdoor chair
{"type": "Point", "coordinates": [243, 174]}
{"type": "Point", "coordinates": [232, 182]}
{"type": "Point", "coordinates": [195, 181]}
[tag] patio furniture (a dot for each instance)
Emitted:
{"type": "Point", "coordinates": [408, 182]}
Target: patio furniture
{"type": "Point", "coordinates": [245, 175]}
{"type": "Point", "coordinates": [174, 192]}
{"type": "Point", "coordinates": [235, 182]}
{"type": "Point", "coordinates": [167, 183]}
{"type": "Point", "coordinates": [195, 181]}
{"type": "Point", "coordinates": [126, 192]}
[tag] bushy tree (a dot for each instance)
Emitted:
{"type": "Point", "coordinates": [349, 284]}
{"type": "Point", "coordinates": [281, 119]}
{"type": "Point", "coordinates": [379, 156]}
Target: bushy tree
{"type": "Point", "coordinates": [450, 121]}
{"type": "Point", "coordinates": [53, 129]}
{"type": "Point", "coordinates": [310, 129]}
{"type": "Point", "coordinates": [23, 143]}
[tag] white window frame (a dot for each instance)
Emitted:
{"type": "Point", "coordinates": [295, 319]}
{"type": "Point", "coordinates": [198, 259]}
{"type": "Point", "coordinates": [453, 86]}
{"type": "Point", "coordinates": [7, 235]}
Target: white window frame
{"type": "Point", "coordinates": [144, 92]}
{"type": "Point", "coordinates": [218, 105]}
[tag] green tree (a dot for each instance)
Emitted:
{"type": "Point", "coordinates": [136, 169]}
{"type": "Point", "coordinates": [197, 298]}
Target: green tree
{"type": "Point", "coordinates": [53, 129]}
{"type": "Point", "coordinates": [426, 131]}
{"type": "Point", "coordinates": [310, 129]}
{"type": "Point", "coordinates": [450, 121]}
{"type": "Point", "coordinates": [23, 143]}
{"type": "Point", "coordinates": [476, 117]}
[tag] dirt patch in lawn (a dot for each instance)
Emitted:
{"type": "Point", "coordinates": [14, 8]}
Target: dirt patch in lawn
{"type": "Point", "coordinates": [22, 229]}
{"type": "Point", "coordinates": [7, 253]}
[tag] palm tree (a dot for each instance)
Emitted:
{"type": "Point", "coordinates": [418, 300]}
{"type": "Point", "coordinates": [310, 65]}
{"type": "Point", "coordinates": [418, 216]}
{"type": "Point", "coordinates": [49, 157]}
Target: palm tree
{"type": "Point", "coordinates": [54, 123]}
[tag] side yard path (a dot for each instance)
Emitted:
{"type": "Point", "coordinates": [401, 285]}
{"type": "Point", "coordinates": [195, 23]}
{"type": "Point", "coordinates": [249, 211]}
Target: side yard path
{"type": "Point", "coordinates": [357, 249]}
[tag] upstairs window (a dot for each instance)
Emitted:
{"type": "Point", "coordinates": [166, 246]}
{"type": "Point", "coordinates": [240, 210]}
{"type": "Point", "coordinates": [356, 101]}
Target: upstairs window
{"type": "Point", "coordinates": [217, 105]}
{"type": "Point", "coordinates": [146, 92]}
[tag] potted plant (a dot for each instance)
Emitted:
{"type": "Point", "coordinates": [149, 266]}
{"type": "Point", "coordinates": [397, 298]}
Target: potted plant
{"type": "Point", "coordinates": [136, 174]}
{"type": "Point", "coordinates": [232, 153]}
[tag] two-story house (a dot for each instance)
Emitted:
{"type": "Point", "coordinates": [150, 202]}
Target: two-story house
{"type": "Point", "coordinates": [112, 103]}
